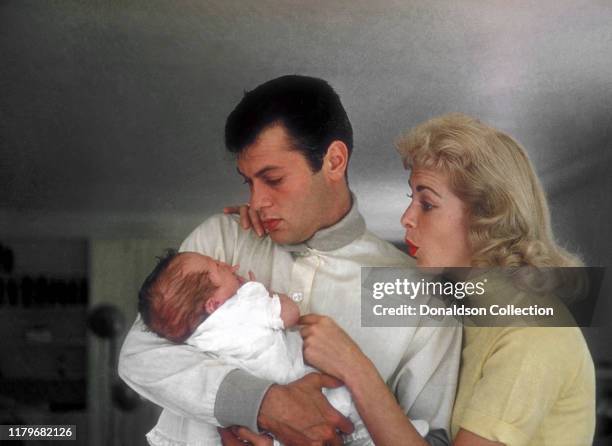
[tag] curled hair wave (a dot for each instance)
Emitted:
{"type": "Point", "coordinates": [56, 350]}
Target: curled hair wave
{"type": "Point", "coordinates": [492, 175]}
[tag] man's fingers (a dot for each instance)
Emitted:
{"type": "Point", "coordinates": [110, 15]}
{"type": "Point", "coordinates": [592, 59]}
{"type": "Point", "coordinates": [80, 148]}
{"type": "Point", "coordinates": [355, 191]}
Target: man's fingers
{"type": "Point", "coordinates": [250, 436]}
{"type": "Point", "coordinates": [256, 222]}
{"type": "Point", "coordinates": [245, 221]}
{"type": "Point", "coordinates": [327, 434]}
{"type": "Point", "coordinates": [228, 438]}
{"type": "Point", "coordinates": [249, 217]}
{"type": "Point", "coordinates": [330, 382]}
{"type": "Point", "coordinates": [343, 424]}
{"type": "Point", "coordinates": [252, 276]}
{"type": "Point", "coordinates": [290, 436]}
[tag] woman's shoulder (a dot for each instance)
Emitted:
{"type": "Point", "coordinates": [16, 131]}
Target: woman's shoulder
{"type": "Point", "coordinates": [542, 338]}
{"type": "Point", "coordinates": [559, 350]}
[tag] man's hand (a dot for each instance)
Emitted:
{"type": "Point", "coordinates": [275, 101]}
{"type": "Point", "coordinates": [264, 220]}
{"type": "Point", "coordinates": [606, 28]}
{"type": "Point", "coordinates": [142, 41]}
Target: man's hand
{"type": "Point", "coordinates": [241, 436]}
{"type": "Point", "coordinates": [298, 414]}
{"type": "Point", "coordinates": [248, 217]}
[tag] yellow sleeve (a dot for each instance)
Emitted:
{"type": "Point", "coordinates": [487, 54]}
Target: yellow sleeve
{"type": "Point", "coordinates": [523, 375]}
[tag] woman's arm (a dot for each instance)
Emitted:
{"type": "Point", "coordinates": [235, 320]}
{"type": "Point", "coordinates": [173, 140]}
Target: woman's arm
{"type": "Point", "coordinates": [328, 348]}
{"type": "Point", "coordinates": [467, 438]}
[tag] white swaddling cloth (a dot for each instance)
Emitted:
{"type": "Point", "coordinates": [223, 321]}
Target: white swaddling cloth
{"type": "Point", "coordinates": [248, 332]}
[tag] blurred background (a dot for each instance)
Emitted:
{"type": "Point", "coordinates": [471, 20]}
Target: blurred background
{"type": "Point", "coordinates": [111, 137]}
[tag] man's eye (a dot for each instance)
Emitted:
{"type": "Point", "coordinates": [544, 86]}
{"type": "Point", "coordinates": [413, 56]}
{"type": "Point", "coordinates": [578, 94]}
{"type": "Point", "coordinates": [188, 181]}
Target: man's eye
{"type": "Point", "coordinates": [273, 181]}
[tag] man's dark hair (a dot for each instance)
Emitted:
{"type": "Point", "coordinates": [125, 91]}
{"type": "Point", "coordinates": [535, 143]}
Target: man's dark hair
{"type": "Point", "coordinates": [308, 108]}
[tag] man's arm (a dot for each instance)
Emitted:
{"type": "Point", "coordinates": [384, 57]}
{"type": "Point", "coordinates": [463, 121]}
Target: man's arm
{"type": "Point", "coordinates": [181, 378]}
{"type": "Point", "coordinates": [190, 383]}
{"type": "Point", "coordinates": [186, 381]}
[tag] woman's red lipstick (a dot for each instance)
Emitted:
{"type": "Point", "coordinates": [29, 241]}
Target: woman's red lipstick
{"type": "Point", "coordinates": [412, 248]}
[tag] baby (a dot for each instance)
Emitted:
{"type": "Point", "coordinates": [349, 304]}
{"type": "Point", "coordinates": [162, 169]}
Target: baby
{"type": "Point", "coordinates": [191, 298]}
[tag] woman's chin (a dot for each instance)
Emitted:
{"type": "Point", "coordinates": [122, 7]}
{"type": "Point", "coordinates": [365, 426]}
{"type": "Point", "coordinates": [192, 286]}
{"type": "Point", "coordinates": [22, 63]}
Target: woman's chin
{"type": "Point", "coordinates": [432, 267]}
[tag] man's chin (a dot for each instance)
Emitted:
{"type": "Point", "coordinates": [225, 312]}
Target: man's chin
{"type": "Point", "coordinates": [283, 238]}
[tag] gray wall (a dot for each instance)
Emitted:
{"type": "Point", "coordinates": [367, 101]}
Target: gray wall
{"type": "Point", "coordinates": [111, 113]}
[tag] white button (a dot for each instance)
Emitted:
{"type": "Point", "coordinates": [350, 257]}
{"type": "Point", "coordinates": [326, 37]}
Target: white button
{"type": "Point", "coordinates": [297, 296]}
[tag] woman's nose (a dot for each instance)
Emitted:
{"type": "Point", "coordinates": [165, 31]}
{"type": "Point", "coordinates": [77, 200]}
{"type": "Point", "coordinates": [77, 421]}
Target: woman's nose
{"type": "Point", "coordinates": [408, 219]}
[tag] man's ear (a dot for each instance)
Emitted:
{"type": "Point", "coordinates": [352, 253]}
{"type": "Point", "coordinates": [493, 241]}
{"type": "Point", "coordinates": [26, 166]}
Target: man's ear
{"type": "Point", "coordinates": [335, 161]}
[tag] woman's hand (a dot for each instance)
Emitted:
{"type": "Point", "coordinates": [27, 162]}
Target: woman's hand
{"type": "Point", "coordinates": [249, 218]}
{"type": "Point", "coordinates": [328, 348]}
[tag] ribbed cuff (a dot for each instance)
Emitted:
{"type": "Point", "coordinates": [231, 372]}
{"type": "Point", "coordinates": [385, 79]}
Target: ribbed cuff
{"type": "Point", "coordinates": [437, 437]}
{"type": "Point", "coordinates": [238, 399]}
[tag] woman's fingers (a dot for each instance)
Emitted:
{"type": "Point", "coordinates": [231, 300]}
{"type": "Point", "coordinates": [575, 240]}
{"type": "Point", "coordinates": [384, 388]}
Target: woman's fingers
{"type": "Point", "coordinates": [310, 319]}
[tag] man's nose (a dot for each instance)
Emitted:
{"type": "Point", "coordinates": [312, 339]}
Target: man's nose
{"type": "Point", "coordinates": [408, 219]}
{"type": "Point", "coordinates": [259, 197]}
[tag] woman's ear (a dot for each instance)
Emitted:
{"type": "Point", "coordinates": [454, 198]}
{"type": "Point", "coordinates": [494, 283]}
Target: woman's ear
{"type": "Point", "coordinates": [335, 161]}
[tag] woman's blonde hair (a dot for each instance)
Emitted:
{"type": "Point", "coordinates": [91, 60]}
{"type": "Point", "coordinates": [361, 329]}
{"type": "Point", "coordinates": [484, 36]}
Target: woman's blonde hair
{"type": "Point", "coordinates": [491, 173]}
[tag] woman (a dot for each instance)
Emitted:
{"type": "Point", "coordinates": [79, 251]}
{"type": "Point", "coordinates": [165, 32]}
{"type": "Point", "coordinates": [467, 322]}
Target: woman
{"type": "Point", "coordinates": [476, 201]}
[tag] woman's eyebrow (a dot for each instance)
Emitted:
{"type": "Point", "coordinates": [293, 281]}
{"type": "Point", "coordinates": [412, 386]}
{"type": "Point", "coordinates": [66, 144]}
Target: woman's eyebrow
{"type": "Point", "coordinates": [421, 188]}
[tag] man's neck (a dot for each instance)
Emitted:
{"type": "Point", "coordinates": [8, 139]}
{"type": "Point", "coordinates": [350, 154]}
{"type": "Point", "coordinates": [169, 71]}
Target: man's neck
{"type": "Point", "coordinates": [339, 207]}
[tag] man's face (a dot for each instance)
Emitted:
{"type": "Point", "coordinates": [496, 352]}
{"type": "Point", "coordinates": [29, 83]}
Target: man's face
{"type": "Point", "coordinates": [289, 197]}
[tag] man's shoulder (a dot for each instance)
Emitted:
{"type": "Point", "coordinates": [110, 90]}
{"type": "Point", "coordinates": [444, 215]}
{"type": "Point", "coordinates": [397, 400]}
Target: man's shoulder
{"type": "Point", "coordinates": [221, 221]}
{"type": "Point", "coordinates": [214, 228]}
{"type": "Point", "coordinates": [382, 252]}
{"type": "Point", "coordinates": [224, 232]}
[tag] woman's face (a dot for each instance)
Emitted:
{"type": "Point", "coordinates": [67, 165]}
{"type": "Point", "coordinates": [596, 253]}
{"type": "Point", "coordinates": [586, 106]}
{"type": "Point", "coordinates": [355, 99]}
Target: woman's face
{"type": "Point", "coordinates": [436, 222]}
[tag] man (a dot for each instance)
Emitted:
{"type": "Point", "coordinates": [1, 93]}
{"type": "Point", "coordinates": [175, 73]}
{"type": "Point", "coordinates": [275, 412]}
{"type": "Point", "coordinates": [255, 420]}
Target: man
{"type": "Point", "coordinates": [293, 140]}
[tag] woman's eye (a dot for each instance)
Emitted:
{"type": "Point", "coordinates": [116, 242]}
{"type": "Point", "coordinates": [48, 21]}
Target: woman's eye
{"type": "Point", "coordinates": [426, 205]}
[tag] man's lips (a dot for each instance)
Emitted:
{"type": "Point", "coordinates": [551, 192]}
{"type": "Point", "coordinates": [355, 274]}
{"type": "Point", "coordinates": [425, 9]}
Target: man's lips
{"type": "Point", "coordinates": [271, 224]}
{"type": "Point", "coordinates": [412, 248]}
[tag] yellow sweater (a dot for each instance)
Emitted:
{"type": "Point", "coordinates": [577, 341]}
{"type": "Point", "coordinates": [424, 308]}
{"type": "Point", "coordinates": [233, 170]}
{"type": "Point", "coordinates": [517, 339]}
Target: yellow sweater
{"type": "Point", "coordinates": [526, 386]}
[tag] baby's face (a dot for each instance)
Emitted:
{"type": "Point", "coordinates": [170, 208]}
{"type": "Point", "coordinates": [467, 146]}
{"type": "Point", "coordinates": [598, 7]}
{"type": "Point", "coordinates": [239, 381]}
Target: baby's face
{"type": "Point", "coordinates": [221, 274]}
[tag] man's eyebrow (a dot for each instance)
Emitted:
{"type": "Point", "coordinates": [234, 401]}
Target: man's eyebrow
{"type": "Point", "coordinates": [421, 188]}
{"type": "Point", "coordinates": [260, 172]}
